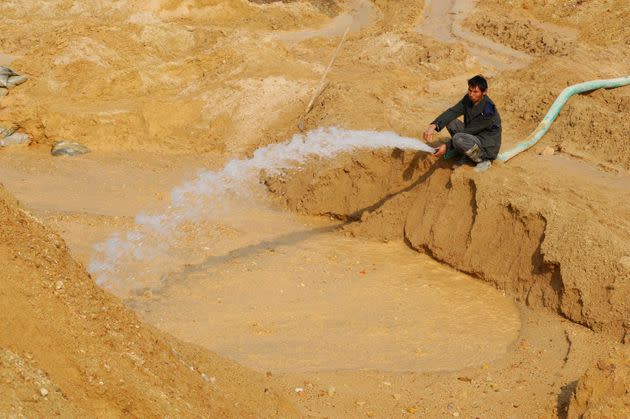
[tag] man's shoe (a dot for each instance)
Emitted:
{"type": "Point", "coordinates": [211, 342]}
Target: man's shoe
{"type": "Point", "coordinates": [482, 166]}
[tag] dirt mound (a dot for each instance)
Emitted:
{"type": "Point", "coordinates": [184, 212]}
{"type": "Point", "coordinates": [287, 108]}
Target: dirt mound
{"type": "Point", "coordinates": [521, 35]}
{"type": "Point", "coordinates": [213, 76]}
{"type": "Point", "coordinates": [603, 391]}
{"type": "Point", "coordinates": [155, 76]}
{"type": "Point", "coordinates": [339, 190]}
{"type": "Point", "coordinates": [67, 347]}
{"type": "Point", "coordinates": [363, 99]}
{"type": "Point", "coordinates": [599, 22]}
{"type": "Point", "coordinates": [330, 7]}
{"type": "Point", "coordinates": [589, 125]}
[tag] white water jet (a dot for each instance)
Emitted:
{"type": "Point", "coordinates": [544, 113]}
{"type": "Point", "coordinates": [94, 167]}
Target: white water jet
{"type": "Point", "coordinates": [149, 245]}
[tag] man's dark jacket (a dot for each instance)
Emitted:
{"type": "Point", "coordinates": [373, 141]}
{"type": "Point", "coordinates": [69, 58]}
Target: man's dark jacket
{"type": "Point", "coordinates": [481, 120]}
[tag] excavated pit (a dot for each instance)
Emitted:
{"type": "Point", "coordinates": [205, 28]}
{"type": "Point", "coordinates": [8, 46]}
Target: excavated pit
{"type": "Point", "coordinates": [271, 290]}
{"type": "Point", "coordinates": [487, 226]}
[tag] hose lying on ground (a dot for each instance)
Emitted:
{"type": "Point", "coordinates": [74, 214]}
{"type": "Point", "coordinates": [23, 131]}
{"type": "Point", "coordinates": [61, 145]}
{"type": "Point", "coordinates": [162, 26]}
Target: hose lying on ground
{"type": "Point", "coordinates": [557, 105]}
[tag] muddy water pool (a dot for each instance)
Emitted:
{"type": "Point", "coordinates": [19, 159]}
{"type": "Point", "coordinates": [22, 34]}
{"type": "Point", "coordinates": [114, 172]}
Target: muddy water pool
{"type": "Point", "coordinates": [269, 289]}
{"type": "Point", "coordinates": [309, 299]}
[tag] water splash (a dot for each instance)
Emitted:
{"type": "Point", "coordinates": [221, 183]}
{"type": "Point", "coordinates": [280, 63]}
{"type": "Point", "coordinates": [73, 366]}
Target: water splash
{"type": "Point", "coordinates": [145, 251]}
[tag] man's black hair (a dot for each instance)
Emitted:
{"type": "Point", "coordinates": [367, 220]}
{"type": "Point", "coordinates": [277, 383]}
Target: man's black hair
{"type": "Point", "coordinates": [480, 82]}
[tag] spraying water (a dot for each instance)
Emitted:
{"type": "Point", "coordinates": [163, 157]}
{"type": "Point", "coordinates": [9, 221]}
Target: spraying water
{"type": "Point", "coordinates": [145, 251]}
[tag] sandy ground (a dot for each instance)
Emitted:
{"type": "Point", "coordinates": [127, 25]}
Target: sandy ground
{"type": "Point", "coordinates": [378, 284]}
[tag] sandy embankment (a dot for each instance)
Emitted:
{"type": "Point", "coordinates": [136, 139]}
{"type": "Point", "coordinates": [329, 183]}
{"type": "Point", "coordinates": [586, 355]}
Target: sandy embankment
{"type": "Point", "coordinates": [67, 347]}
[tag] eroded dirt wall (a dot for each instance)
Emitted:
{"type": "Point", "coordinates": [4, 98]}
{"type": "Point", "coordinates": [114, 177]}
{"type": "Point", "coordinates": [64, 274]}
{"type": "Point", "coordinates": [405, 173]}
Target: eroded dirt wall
{"type": "Point", "coordinates": [491, 240]}
{"type": "Point", "coordinates": [547, 253]}
{"type": "Point", "coordinates": [338, 188]}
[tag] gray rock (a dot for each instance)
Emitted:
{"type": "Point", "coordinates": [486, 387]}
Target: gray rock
{"type": "Point", "coordinates": [6, 71]}
{"type": "Point", "coordinates": [15, 80]}
{"type": "Point", "coordinates": [16, 138]}
{"type": "Point", "coordinates": [68, 148]}
{"type": "Point", "coordinates": [6, 131]}
{"type": "Point", "coordinates": [4, 79]}
{"type": "Point", "coordinates": [9, 78]}
{"type": "Point", "coordinates": [4, 91]}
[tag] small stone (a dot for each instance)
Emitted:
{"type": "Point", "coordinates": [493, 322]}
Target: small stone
{"type": "Point", "coordinates": [411, 410]}
{"type": "Point", "coordinates": [299, 390]}
{"type": "Point", "coordinates": [68, 148]}
{"type": "Point", "coordinates": [59, 285]}
{"type": "Point", "coordinates": [456, 414]}
{"type": "Point", "coordinates": [624, 261]}
{"type": "Point", "coordinates": [43, 392]}
{"type": "Point", "coordinates": [9, 78]}
{"type": "Point", "coordinates": [4, 91]}
{"type": "Point", "coordinates": [360, 403]}
{"type": "Point", "coordinates": [396, 396]}
{"type": "Point", "coordinates": [17, 138]}
{"type": "Point", "coordinates": [331, 391]}
{"type": "Point", "coordinates": [548, 151]}
{"type": "Point", "coordinates": [205, 377]}
{"type": "Point", "coordinates": [16, 81]}
{"type": "Point", "coordinates": [387, 383]}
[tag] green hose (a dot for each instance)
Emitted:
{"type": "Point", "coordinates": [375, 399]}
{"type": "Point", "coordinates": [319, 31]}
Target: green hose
{"type": "Point", "coordinates": [544, 125]}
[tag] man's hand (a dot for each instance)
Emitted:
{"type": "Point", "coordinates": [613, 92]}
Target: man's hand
{"type": "Point", "coordinates": [440, 151]}
{"type": "Point", "coordinates": [428, 133]}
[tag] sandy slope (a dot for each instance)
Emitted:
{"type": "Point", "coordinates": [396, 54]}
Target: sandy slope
{"type": "Point", "coordinates": [70, 348]}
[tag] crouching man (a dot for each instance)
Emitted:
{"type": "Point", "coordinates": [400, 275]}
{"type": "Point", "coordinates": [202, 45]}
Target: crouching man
{"type": "Point", "coordinates": [478, 138]}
